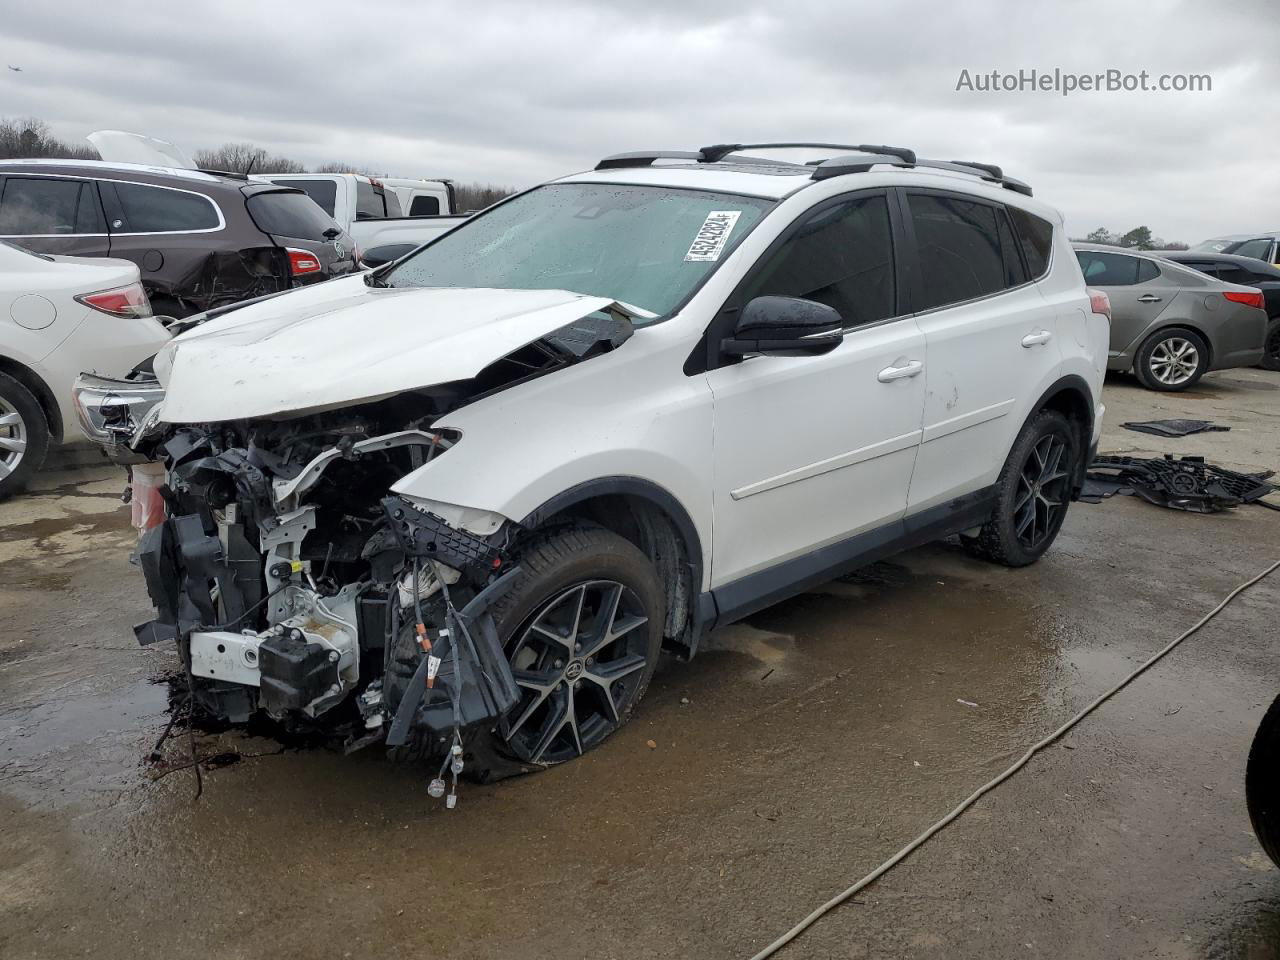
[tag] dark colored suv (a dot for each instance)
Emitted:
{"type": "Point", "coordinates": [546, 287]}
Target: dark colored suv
{"type": "Point", "coordinates": [201, 240]}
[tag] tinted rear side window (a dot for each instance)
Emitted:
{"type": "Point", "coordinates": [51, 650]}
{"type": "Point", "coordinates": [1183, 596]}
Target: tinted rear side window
{"type": "Point", "coordinates": [289, 215]}
{"type": "Point", "coordinates": [159, 210]}
{"type": "Point", "coordinates": [1035, 234]}
{"type": "Point", "coordinates": [42, 205]}
{"type": "Point", "coordinates": [323, 192]}
{"type": "Point", "coordinates": [424, 207]}
{"type": "Point", "coordinates": [841, 256]}
{"type": "Point", "coordinates": [958, 247]}
{"type": "Point", "coordinates": [1115, 269]}
{"type": "Point", "coordinates": [1258, 249]}
{"type": "Point", "coordinates": [370, 203]}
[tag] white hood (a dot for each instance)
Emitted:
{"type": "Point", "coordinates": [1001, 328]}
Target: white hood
{"type": "Point", "coordinates": [343, 342]}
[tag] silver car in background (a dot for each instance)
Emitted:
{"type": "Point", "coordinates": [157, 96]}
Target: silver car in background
{"type": "Point", "coordinates": [1170, 324]}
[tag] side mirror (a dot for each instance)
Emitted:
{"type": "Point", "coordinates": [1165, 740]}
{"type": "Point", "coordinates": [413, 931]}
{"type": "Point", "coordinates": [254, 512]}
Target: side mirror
{"type": "Point", "coordinates": [377, 256]}
{"type": "Point", "coordinates": [785, 327]}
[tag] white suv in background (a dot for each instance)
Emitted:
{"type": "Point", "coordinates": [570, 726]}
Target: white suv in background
{"type": "Point", "coordinates": [469, 496]}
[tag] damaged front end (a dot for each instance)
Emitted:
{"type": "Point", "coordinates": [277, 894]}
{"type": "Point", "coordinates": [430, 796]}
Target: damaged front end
{"type": "Point", "coordinates": [295, 585]}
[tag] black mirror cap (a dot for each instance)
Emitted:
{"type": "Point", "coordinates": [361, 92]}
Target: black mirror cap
{"type": "Point", "coordinates": [785, 327]}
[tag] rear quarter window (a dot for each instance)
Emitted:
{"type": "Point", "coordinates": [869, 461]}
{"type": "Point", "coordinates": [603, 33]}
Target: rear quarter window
{"type": "Point", "coordinates": [150, 209]}
{"type": "Point", "coordinates": [289, 214]}
{"type": "Point", "coordinates": [1035, 235]}
{"type": "Point", "coordinates": [424, 206]}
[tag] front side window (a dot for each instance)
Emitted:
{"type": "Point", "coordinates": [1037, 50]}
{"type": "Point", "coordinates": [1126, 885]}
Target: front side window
{"type": "Point", "coordinates": [958, 249]}
{"type": "Point", "coordinates": [1115, 269]}
{"type": "Point", "coordinates": [159, 210]}
{"type": "Point", "coordinates": [841, 256]}
{"type": "Point", "coordinates": [650, 247]}
{"type": "Point", "coordinates": [44, 206]}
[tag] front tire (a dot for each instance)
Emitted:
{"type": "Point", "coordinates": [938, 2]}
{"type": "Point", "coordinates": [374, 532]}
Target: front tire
{"type": "Point", "coordinates": [582, 630]}
{"type": "Point", "coordinates": [1172, 360]}
{"type": "Point", "coordinates": [24, 436]}
{"type": "Point", "coordinates": [1032, 493]}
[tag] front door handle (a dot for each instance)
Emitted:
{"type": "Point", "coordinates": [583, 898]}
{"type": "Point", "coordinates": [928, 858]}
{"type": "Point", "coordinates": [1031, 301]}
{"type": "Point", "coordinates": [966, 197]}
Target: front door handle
{"type": "Point", "coordinates": [909, 369]}
{"type": "Point", "coordinates": [1035, 339]}
{"type": "Point", "coordinates": [1149, 298]}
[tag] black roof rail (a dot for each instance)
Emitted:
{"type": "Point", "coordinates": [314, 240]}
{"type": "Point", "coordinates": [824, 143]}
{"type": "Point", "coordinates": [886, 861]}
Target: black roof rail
{"type": "Point", "coordinates": [719, 151]}
{"type": "Point", "coordinates": [643, 158]}
{"type": "Point", "coordinates": [233, 174]}
{"type": "Point", "coordinates": [868, 156]}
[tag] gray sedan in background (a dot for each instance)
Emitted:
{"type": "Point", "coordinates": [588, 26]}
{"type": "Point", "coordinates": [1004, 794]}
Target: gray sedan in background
{"type": "Point", "coordinates": [1170, 324]}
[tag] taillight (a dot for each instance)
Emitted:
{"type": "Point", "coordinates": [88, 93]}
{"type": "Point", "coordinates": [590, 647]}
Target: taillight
{"type": "Point", "coordinates": [1099, 302]}
{"type": "Point", "coordinates": [128, 301]}
{"type": "Point", "coordinates": [1252, 299]}
{"type": "Point", "coordinates": [302, 262]}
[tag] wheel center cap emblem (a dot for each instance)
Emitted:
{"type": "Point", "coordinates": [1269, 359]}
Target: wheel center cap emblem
{"type": "Point", "coordinates": [574, 670]}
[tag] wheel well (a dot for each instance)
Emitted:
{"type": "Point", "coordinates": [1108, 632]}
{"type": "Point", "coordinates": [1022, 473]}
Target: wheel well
{"type": "Point", "coordinates": [1076, 407]}
{"type": "Point", "coordinates": [40, 390]}
{"type": "Point", "coordinates": [661, 537]}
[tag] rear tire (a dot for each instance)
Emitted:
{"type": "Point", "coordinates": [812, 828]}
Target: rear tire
{"type": "Point", "coordinates": [1271, 349]}
{"type": "Point", "coordinates": [1171, 360]}
{"type": "Point", "coordinates": [1032, 493]}
{"type": "Point", "coordinates": [1262, 782]}
{"type": "Point", "coordinates": [24, 436]}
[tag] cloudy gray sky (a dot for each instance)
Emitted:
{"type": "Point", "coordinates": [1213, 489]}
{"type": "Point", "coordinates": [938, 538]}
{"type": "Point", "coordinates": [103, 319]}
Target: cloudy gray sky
{"type": "Point", "coordinates": [519, 92]}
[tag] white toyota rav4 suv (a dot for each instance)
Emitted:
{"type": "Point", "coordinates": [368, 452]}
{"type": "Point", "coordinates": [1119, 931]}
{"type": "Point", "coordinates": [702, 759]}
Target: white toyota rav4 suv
{"type": "Point", "coordinates": [457, 505]}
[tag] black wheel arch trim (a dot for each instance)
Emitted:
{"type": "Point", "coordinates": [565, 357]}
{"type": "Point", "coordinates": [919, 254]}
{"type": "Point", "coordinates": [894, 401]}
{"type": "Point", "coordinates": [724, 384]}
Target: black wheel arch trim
{"type": "Point", "coordinates": [1075, 384]}
{"type": "Point", "coordinates": [661, 498]}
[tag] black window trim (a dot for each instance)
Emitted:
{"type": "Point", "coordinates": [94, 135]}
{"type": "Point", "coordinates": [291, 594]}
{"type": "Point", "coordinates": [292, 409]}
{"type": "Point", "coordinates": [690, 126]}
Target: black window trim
{"type": "Point", "coordinates": [707, 356]}
{"type": "Point", "coordinates": [53, 176]}
{"type": "Point", "coordinates": [222, 222]}
{"type": "Point", "coordinates": [913, 259]}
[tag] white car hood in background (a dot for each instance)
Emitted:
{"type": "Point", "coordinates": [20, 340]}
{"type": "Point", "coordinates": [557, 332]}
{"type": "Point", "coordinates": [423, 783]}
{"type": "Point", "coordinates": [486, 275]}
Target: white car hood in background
{"type": "Point", "coordinates": [118, 146]}
{"type": "Point", "coordinates": [343, 342]}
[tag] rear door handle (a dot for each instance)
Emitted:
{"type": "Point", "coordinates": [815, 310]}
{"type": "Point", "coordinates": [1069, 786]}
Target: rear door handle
{"type": "Point", "coordinates": [1034, 339]}
{"type": "Point", "coordinates": [1149, 298]}
{"type": "Point", "coordinates": [909, 369]}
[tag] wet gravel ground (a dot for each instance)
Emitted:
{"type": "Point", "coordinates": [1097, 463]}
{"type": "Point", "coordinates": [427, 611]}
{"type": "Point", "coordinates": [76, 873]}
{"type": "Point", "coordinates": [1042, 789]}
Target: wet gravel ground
{"type": "Point", "coordinates": [805, 746]}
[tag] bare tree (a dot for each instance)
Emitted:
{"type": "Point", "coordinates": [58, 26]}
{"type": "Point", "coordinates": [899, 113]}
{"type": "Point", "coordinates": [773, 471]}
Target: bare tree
{"type": "Point", "coordinates": [336, 167]}
{"type": "Point", "coordinates": [246, 158]}
{"type": "Point", "coordinates": [27, 138]}
{"type": "Point", "coordinates": [477, 196]}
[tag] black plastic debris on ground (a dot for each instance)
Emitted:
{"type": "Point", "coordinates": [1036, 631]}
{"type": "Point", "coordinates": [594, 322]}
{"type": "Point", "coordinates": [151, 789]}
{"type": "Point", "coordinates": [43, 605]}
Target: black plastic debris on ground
{"type": "Point", "coordinates": [1174, 428]}
{"type": "Point", "coordinates": [1182, 483]}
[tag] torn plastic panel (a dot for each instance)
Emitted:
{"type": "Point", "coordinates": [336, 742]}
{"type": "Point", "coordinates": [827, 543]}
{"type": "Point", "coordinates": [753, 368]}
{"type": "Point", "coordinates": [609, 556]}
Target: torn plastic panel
{"type": "Point", "coordinates": [1182, 483]}
{"type": "Point", "coordinates": [218, 278]}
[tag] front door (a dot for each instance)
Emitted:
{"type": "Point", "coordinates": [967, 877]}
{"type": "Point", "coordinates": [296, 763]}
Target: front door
{"type": "Point", "coordinates": [812, 450]}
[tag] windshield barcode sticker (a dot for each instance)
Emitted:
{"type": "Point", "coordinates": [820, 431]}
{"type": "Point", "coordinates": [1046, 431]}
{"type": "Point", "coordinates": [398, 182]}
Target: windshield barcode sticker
{"type": "Point", "coordinates": [713, 235]}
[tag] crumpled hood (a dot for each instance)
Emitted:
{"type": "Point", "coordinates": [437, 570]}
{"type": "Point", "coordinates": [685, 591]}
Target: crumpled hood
{"type": "Point", "coordinates": [344, 342]}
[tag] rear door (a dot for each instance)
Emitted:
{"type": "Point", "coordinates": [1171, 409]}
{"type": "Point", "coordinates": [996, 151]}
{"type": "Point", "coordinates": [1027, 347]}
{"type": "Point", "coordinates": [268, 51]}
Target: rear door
{"type": "Point", "coordinates": [1138, 293]}
{"type": "Point", "coordinates": [991, 339]}
{"type": "Point", "coordinates": [59, 215]}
